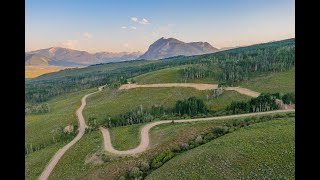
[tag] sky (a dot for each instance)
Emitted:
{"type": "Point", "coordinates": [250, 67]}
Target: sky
{"type": "Point", "coordinates": [132, 25]}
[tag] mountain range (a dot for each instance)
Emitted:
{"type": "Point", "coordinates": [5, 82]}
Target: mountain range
{"type": "Point", "coordinates": [162, 48]}
{"type": "Point", "coordinates": [68, 57]}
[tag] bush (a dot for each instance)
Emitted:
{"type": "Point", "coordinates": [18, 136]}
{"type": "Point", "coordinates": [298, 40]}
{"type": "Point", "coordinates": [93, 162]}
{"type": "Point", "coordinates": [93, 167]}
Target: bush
{"type": "Point", "coordinates": [220, 130]}
{"type": "Point", "coordinates": [135, 172]}
{"type": "Point", "coordinates": [122, 178]}
{"type": "Point", "coordinates": [144, 166]}
{"type": "Point", "coordinates": [198, 140]}
{"type": "Point", "coordinates": [161, 158]}
{"type": "Point", "coordinates": [209, 136]}
{"type": "Point", "coordinates": [184, 146]}
{"type": "Point", "coordinates": [177, 149]}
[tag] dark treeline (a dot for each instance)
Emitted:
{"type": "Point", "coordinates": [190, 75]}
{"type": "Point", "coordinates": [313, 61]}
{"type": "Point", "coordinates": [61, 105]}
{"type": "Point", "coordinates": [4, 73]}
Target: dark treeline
{"type": "Point", "coordinates": [289, 98]}
{"type": "Point", "coordinates": [236, 65]}
{"type": "Point", "coordinates": [265, 102]}
{"type": "Point", "coordinates": [190, 107]}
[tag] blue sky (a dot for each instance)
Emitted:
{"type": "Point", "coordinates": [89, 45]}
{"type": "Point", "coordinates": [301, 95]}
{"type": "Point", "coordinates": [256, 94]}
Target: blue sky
{"type": "Point", "coordinates": [132, 25]}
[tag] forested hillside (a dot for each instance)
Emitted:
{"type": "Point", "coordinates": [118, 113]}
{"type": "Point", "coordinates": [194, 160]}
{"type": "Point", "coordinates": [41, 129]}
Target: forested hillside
{"type": "Point", "coordinates": [237, 65]}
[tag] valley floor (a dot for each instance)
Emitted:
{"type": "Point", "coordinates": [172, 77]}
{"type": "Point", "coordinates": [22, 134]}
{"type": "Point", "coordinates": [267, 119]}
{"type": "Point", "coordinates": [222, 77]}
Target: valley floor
{"type": "Point", "coordinates": [35, 71]}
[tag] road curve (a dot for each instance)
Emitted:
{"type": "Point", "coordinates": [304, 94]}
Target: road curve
{"type": "Point", "coordinates": [82, 127]}
{"type": "Point", "coordinates": [144, 132]}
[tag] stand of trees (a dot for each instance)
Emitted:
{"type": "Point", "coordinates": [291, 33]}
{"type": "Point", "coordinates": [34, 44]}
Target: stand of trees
{"type": "Point", "coordinates": [191, 107]}
{"type": "Point", "coordinates": [199, 71]}
{"type": "Point", "coordinates": [289, 98]}
{"type": "Point", "coordinates": [265, 102]}
{"type": "Point", "coordinates": [275, 59]}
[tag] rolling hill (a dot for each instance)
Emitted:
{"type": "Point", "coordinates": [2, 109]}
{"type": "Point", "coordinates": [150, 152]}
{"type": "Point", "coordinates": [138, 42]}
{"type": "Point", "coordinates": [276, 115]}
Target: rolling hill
{"type": "Point", "coordinates": [260, 151]}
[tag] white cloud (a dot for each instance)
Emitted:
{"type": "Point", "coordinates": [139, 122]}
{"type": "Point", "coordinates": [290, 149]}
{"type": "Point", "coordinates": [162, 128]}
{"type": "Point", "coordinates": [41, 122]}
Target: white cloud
{"type": "Point", "coordinates": [87, 35]}
{"type": "Point", "coordinates": [69, 44]}
{"type": "Point", "coordinates": [124, 27]}
{"type": "Point", "coordinates": [144, 21]}
{"type": "Point", "coordinates": [133, 27]}
{"type": "Point", "coordinates": [134, 19]}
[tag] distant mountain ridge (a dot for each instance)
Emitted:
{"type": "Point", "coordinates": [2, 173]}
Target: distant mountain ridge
{"type": "Point", "coordinates": [68, 57]}
{"type": "Point", "coordinates": [164, 48]}
{"type": "Point", "coordinates": [36, 60]}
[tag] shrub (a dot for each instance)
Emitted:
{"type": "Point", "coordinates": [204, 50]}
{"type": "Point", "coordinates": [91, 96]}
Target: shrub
{"type": "Point", "coordinates": [184, 146]}
{"type": "Point", "coordinates": [144, 166]}
{"type": "Point", "coordinates": [135, 172]}
{"type": "Point", "coordinates": [209, 136]}
{"type": "Point", "coordinates": [177, 149]}
{"type": "Point", "coordinates": [161, 158]}
{"type": "Point", "coordinates": [122, 178]}
{"type": "Point", "coordinates": [198, 140]}
{"type": "Point", "coordinates": [220, 130]}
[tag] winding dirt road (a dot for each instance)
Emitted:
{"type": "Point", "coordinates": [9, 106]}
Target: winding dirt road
{"type": "Point", "coordinates": [193, 85]}
{"type": "Point", "coordinates": [244, 91]}
{"type": "Point", "coordinates": [240, 90]}
{"type": "Point", "coordinates": [82, 127]}
{"type": "Point", "coordinates": [144, 132]}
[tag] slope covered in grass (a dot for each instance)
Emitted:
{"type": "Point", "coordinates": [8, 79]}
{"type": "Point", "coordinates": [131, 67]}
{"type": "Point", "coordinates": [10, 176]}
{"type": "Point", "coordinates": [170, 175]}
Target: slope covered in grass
{"type": "Point", "coordinates": [114, 102]}
{"type": "Point", "coordinates": [37, 161]}
{"type": "Point", "coordinates": [76, 165]}
{"type": "Point", "coordinates": [260, 151]}
{"type": "Point", "coordinates": [173, 75]}
{"type": "Point", "coordinates": [282, 82]}
{"type": "Point", "coordinates": [41, 128]}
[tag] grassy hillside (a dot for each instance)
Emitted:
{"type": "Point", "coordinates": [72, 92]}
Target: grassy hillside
{"type": "Point", "coordinates": [35, 71]}
{"type": "Point", "coordinates": [39, 127]}
{"type": "Point", "coordinates": [173, 75]}
{"type": "Point", "coordinates": [75, 163]}
{"type": "Point", "coordinates": [37, 161]}
{"type": "Point", "coordinates": [260, 151]}
{"type": "Point", "coordinates": [114, 102]}
{"type": "Point", "coordinates": [283, 82]}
